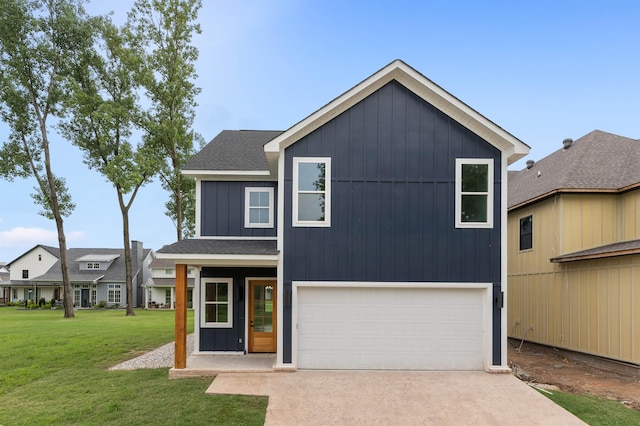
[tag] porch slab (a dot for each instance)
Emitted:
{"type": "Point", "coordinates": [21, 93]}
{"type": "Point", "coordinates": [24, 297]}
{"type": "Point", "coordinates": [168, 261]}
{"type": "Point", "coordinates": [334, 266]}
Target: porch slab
{"type": "Point", "coordinates": [209, 365]}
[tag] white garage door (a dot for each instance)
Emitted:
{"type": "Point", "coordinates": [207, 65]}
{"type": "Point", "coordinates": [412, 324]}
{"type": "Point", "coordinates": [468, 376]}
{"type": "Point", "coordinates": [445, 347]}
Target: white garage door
{"type": "Point", "coordinates": [389, 328]}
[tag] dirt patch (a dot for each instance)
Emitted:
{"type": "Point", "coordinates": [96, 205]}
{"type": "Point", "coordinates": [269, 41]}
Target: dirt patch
{"type": "Point", "coordinates": [548, 366]}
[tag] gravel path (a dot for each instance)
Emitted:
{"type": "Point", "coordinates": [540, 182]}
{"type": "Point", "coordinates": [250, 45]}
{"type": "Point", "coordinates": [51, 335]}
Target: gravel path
{"type": "Point", "coordinates": [158, 358]}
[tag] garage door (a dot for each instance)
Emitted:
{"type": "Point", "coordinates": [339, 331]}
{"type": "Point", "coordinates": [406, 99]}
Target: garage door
{"type": "Point", "coordinates": [389, 328]}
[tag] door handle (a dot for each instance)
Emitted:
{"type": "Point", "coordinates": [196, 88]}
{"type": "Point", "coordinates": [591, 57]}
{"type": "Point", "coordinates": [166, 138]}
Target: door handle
{"type": "Point", "coordinates": [251, 324]}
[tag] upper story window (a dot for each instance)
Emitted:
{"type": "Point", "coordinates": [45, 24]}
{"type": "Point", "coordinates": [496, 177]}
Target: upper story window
{"type": "Point", "coordinates": [217, 302]}
{"type": "Point", "coordinates": [25, 274]}
{"type": "Point", "coordinates": [258, 207]}
{"type": "Point", "coordinates": [526, 232]}
{"type": "Point", "coordinates": [311, 191]}
{"type": "Point", "coordinates": [474, 193]}
{"type": "Point", "coordinates": [93, 265]}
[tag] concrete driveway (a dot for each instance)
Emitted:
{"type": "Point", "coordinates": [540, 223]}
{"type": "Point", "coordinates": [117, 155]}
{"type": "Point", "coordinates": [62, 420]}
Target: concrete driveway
{"type": "Point", "coordinates": [394, 398]}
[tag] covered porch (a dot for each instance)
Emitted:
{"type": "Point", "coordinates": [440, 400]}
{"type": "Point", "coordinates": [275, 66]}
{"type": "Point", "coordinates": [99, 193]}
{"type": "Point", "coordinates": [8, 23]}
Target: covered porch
{"type": "Point", "coordinates": [209, 257]}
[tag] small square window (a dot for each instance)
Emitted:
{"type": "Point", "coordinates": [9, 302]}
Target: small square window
{"type": "Point", "coordinates": [526, 233]}
{"type": "Point", "coordinates": [474, 194]}
{"type": "Point", "coordinates": [258, 210]}
{"type": "Point", "coordinates": [312, 191]}
{"type": "Point", "coordinates": [217, 303]}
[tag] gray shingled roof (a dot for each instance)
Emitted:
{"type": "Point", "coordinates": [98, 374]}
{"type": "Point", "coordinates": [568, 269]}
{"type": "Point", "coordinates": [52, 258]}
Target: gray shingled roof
{"type": "Point", "coordinates": [609, 250]}
{"type": "Point", "coordinates": [234, 150]}
{"type": "Point", "coordinates": [598, 161]}
{"type": "Point", "coordinates": [116, 272]}
{"type": "Point", "coordinates": [167, 282]}
{"type": "Point", "coordinates": [208, 247]}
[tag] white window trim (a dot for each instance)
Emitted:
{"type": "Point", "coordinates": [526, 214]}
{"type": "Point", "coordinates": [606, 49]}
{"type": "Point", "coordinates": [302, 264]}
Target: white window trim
{"type": "Point", "coordinates": [327, 192]}
{"type": "Point", "coordinates": [459, 194]}
{"type": "Point", "coordinates": [117, 290]}
{"type": "Point", "coordinates": [247, 207]}
{"type": "Point", "coordinates": [203, 285]}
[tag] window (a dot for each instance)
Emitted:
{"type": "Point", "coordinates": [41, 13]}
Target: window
{"type": "Point", "coordinates": [526, 232]}
{"type": "Point", "coordinates": [217, 302]}
{"type": "Point", "coordinates": [258, 207]}
{"type": "Point", "coordinates": [311, 191]}
{"type": "Point", "coordinates": [474, 193]}
{"type": "Point", "coordinates": [76, 295]}
{"type": "Point", "coordinates": [25, 274]}
{"type": "Point", "coordinates": [167, 296]}
{"type": "Point", "coordinates": [114, 293]}
{"type": "Point", "coordinates": [93, 265]}
{"type": "Point", "coordinates": [93, 294]}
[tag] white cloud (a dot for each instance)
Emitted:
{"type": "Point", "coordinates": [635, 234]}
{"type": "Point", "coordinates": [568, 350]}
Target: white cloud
{"type": "Point", "coordinates": [21, 237]}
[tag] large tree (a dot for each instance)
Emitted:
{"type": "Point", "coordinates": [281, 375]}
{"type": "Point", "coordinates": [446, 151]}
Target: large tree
{"type": "Point", "coordinates": [40, 41]}
{"type": "Point", "coordinates": [103, 112]}
{"type": "Point", "coordinates": [164, 29]}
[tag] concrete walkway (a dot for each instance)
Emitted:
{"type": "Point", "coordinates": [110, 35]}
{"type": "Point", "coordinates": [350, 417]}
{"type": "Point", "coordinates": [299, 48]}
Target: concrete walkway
{"type": "Point", "coordinates": [395, 398]}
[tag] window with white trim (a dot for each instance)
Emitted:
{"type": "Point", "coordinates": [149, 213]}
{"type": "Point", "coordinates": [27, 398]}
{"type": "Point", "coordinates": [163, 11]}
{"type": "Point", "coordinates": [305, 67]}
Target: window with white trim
{"type": "Point", "coordinates": [311, 191]}
{"type": "Point", "coordinates": [114, 293]}
{"type": "Point", "coordinates": [474, 193]}
{"type": "Point", "coordinates": [258, 207]}
{"type": "Point", "coordinates": [217, 302]}
{"type": "Point", "coordinates": [93, 265]}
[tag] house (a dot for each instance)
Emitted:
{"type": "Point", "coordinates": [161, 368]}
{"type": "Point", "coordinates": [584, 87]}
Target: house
{"type": "Point", "coordinates": [160, 288]}
{"type": "Point", "coordinates": [96, 274]}
{"type": "Point", "coordinates": [370, 235]}
{"type": "Point", "coordinates": [574, 248]}
{"type": "Point", "coordinates": [4, 278]}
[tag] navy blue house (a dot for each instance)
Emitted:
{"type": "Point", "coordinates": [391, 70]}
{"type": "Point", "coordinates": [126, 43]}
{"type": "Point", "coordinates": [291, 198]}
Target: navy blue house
{"type": "Point", "coordinates": [370, 235]}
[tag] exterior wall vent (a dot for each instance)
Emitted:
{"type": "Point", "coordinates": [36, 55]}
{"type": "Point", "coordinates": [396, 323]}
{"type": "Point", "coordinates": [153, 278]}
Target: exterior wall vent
{"type": "Point", "coordinates": [566, 144]}
{"type": "Point", "coordinates": [530, 164]}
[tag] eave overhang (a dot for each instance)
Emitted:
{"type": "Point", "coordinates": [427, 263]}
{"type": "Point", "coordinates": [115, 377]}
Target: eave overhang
{"type": "Point", "coordinates": [624, 248]}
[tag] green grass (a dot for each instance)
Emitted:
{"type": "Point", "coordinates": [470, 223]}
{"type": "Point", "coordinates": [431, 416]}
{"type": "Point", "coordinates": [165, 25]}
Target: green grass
{"type": "Point", "coordinates": [54, 371]}
{"type": "Point", "coordinates": [596, 411]}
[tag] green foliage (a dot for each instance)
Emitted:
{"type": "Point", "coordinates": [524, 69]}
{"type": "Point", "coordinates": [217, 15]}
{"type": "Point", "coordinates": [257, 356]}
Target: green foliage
{"type": "Point", "coordinates": [55, 371]}
{"type": "Point", "coordinates": [163, 31]}
{"type": "Point", "coordinates": [596, 411]}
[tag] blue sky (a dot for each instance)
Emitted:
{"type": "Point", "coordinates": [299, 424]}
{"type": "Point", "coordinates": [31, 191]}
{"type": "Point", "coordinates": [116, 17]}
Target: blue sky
{"type": "Point", "coordinates": [543, 70]}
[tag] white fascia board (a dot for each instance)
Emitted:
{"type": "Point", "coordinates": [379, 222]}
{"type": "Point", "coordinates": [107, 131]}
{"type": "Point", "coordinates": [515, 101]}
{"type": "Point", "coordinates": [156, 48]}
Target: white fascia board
{"type": "Point", "coordinates": [262, 175]}
{"type": "Point", "coordinates": [421, 86]}
{"type": "Point", "coordinates": [221, 259]}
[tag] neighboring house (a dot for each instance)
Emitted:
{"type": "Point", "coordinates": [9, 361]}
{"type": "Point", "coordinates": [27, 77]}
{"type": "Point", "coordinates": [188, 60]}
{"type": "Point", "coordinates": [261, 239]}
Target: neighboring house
{"type": "Point", "coordinates": [160, 288]}
{"type": "Point", "coordinates": [4, 278]}
{"type": "Point", "coordinates": [96, 274]}
{"type": "Point", "coordinates": [574, 248]}
{"type": "Point", "coordinates": [370, 235]}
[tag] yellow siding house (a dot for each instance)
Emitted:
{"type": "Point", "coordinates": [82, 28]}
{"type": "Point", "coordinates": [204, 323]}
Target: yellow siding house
{"type": "Point", "coordinates": [574, 248]}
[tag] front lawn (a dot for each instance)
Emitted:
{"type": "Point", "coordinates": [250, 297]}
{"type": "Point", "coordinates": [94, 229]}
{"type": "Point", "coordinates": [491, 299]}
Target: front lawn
{"type": "Point", "coordinates": [54, 371]}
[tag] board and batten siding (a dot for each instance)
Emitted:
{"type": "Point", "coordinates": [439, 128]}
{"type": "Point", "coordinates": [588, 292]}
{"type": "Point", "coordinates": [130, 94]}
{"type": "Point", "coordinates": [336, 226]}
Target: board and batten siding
{"type": "Point", "coordinates": [37, 262]}
{"type": "Point", "coordinates": [223, 204]}
{"type": "Point", "coordinates": [590, 306]}
{"type": "Point", "coordinates": [392, 200]}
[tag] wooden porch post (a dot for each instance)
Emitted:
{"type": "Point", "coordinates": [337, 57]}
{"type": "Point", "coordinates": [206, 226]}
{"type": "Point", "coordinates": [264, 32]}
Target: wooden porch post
{"type": "Point", "coordinates": [180, 360]}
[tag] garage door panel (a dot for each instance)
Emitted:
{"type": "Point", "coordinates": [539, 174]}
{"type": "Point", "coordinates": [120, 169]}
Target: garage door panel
{"type": "Point", "coordinates": [389, 328]}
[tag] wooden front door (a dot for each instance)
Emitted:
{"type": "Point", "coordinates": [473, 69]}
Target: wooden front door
{"type": "Point", "coordinates": [262, 316]}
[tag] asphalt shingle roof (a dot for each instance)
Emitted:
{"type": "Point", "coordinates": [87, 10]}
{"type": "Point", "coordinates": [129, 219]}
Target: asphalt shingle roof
{"type": "Point", "coordinates": [116, 272]}
{"type": "Point", "coordinates": [208, 247]}
{"type": "Point", "coordinates": [234, 150]}
{"type": "Point", "coordinates": [615, 249]}
{"type": "Point", "coordinates": [598, 161]}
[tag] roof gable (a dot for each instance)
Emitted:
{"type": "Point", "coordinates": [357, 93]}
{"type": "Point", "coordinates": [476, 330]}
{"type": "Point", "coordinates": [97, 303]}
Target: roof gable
{"type": "Point", "coordinates": [421, 86]}
{"type": "Point", "coordinates": [597, 162]}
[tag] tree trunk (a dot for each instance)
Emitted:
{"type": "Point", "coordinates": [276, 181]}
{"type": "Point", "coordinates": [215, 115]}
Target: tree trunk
{"type": "Point", "coordinates": [62, 241]}
{"type": "Point", "coordinates": [127, 253]}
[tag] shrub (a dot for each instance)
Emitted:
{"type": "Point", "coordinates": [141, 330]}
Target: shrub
{"type": "Point", "coordinates": [42, 302]}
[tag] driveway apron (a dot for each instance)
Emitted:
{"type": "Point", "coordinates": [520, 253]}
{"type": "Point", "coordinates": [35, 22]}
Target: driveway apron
{"type": "Point", "coordinates": [395, 398]}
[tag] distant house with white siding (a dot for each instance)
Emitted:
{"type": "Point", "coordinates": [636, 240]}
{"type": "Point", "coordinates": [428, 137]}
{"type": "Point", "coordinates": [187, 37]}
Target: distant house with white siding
{"type": "Point", "coordinates": [160, 289]}
{"type": "Point", "coordinates": [96, 274]}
